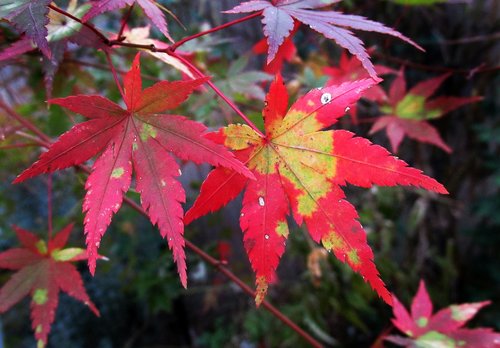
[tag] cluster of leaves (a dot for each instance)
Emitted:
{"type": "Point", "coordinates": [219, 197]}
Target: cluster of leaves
{"type": "Point", "coordinates": [297, 167]}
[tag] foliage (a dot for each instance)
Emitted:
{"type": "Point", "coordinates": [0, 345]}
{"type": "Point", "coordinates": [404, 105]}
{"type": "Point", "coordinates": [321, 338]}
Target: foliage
{"type": "Point", "coordinates": [442, 329]}
{"type": "Point", "coordinates": [449, 240]}
{"type": "Point", "coordinates": [406, 112]}
{"type": "Point", "coordinates": [299, 165]}
{"type": "Point", "coordinates": [43, 270]}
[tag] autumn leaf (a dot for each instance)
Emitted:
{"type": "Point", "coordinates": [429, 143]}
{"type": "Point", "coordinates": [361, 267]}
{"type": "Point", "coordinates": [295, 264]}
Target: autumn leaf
{"type": "Point", "coordinates": [29, 17]}
{"type": "Point", "coordinates": [442, 329]}
{"type": "Point", "coordinates": [150, 7]}
{"type": "Point", "coordinates": [279, 15]}
{"type": "Point", "coordinates": [406, 113]}
{"type": "Point", "coordinates": [350, 69]}
{"type": "Point", "coordinates": [301, 168]}
{"type": "Point", "coordinates": [43, 270]}
{"type": "Point", "coordinates": [60, 30]}
{"type": "Point", "coordinates": [286, 52]}
{"type": "Point", "coordinates": [142, 137]}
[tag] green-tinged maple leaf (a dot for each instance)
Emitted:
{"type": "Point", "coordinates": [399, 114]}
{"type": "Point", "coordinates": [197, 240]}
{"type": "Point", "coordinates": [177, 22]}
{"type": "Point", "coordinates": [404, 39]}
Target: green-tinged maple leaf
{"type": "Point", "coordinates": [300, 167]}
{"type": "Point", "coordinates": [247, 83]}
{"type": "Point", "coordinates": [141, 137]}
{"type": "Point", "coordinates": [406, 113]}
{"type": "Point", "coordinates": [43, 270]}
{"type": "Point", "coordinates": [442, 329]}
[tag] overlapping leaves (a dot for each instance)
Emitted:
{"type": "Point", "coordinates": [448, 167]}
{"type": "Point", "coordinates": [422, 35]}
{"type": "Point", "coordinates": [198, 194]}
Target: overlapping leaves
{"type": "Point", "coordinates": [279, 15]}
{"type": "Point", "coordinates": [142, 137]}
{"type": "Point", "coordinates": [301, 168]}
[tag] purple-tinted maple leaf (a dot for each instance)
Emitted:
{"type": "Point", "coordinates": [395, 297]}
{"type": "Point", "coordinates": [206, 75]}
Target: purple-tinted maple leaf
{"type": "Point", "coordinates": [300, 168]}
{"type": "Point", "coordinates": [43, 270]}
{"type": "Point", "coordinates": [406, 113]}
{"type": "Point", "coordinates": [286, 52]}
{"type": "Point", "coordinates": [443, 329]}
{"type": "Point", "coordinates": [141, 137]}
{"type": "Point", "coordinates": [150, 7]}
{"type": "Point", "coordinates": [29, 17]}
{"type": "Point", "coordinates": [279, 15]}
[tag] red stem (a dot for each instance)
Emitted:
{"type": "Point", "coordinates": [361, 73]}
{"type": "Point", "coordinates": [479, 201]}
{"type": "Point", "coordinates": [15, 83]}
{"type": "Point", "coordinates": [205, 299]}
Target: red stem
{"type": "Point", "coordinates": [209, 259]}
{"type": "Point", "coordinates": [219, 93]}
{"type": "Point", "coordinates": [124, 21]}
{"type": "Point", "coordinates": [223, 269]}
{"type": "Point", "coordinates": [115, 75]}
{"type": "Point", "coordinates": [88, 25]}
{"type": "Point", "coordinates": [174, 46]}
{"type": "Point", "coordinates": [49, 204]}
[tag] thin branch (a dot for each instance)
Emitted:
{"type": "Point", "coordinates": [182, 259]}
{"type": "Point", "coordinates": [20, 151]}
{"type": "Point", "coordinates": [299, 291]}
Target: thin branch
{"type": "Point", "coordinates": [115, 76]}
{"type": "Point", "coordinates": [27, 124]}
{"type": "Point", "coordinates": [124, 21]}
{"type": "Point", "coordinates": [17, 146]}
{"type": "Point", "coordinates": [219, 93]}
{"type": "Point", "coordinates": [49, 204]}
{"type": "Point", "coordinates": [174, 46]}
{"type": "Point", "coordinates": [88, 25]}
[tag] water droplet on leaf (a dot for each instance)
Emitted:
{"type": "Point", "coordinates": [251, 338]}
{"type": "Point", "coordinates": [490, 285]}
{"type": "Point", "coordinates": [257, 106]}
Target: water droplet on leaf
{"type": "Point", "coordinates": [261, 201]}
{"type": "Point", "coordinates": [326, 98]}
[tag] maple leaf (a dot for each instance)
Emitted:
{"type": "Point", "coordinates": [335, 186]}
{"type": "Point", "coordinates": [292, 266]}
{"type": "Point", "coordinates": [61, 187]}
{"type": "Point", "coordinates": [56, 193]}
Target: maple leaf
{"type": "Point", "coordinates": [43, 270]}
{"type": "Point", "coordinates": [286, 52]}
{"type": "Point", "coordinates": [140, 134]}
{"type": "Point", "coordinates": [150, 7]}
{"type": "Point", "coordinates": [60, 30]}
{"type": "Point", "coordinates": [406, 113]}
{"type": "Point", "coordinates": [29, 17]}
{"type": "Point", "coordinates": [279, 15]}
{"type": "Point", "coordinates": [300, 167]}
{"type": "Point", "coordinates": [350, 69]}
{"type": "Point", "coordinates": [443, 329]}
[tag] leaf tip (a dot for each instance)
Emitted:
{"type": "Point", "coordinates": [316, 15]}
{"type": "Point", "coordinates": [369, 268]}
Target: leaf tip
{"type": "Point", "coordinates": [261, 291]}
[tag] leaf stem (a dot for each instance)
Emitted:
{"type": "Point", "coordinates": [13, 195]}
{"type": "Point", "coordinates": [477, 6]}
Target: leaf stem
{"type": "Point", "coordinates": [218, 92]}
{"type": "Point", "coordinates": [49, 204]}
{"type": "Point", "coordinates": [115, 75]}
{"type": "Point", "coordinates": [174, 46]}
{"type": "Point", "coordinates": [125, 18]}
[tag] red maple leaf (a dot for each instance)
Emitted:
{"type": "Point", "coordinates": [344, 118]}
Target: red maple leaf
{"type": "Point", "coordinates": [406, 113]}
{"type": "Point", "coordinates": [443, 329]}
{"type": "Point", "coordinates": [350, 69]}
{"type": "Point", "coordinates": [43, 270]}
{"type": "Point", "coordinates": [279, 16]}
{"type": "Point", "coordinates": [141, 135]}
{"type": "Point", "coordinates": [302, 168]}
